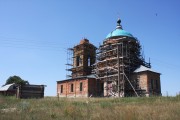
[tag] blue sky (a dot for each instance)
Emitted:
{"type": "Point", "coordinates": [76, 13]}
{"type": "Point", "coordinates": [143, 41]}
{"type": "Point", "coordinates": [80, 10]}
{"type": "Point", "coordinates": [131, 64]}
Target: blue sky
{"type": "Point", "coordinates": [34, 35]}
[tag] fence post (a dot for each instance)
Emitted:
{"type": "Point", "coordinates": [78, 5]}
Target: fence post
{"type": "Point", "coordinates": [58, 96]}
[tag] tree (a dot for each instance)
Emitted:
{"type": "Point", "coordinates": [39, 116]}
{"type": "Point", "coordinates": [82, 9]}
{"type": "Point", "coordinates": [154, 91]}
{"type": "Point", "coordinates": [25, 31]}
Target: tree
{"type": "Point", "coordinates": [17, 80]}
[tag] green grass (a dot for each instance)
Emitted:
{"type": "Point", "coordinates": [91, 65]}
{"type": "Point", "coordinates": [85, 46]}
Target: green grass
{"type": "Point", "coordinates": [153, 108]}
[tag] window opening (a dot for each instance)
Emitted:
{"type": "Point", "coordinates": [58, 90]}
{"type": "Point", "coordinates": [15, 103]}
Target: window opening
{"type": "Point", "coordinates": [72, 87]}
{"type": "Point", "coordinates": [81, 86]}
{"type": "Point", "coordinates": [61, 88]}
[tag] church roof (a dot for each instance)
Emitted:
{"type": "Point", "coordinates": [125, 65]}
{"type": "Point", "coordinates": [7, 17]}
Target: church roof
{"type": "Point", "coordinates": [119, 31]}
{"type": "Point", "coordinates": [143, 68]}
{"type": "Point", "coordinates": [80, 77]}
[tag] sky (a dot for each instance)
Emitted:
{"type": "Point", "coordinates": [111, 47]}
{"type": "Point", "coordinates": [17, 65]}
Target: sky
{"type": "Point", "coordinates": [34, 36]}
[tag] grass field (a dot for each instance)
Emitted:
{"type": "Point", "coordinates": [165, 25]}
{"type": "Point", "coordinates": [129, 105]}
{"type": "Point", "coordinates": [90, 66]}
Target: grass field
{"type": "Point", "coordinates": [153, 108]}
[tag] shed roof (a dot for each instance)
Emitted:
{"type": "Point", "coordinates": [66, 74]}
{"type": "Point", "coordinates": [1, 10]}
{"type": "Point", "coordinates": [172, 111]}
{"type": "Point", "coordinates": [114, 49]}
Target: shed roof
{"type": "Point", "coordinates": [6, 87]}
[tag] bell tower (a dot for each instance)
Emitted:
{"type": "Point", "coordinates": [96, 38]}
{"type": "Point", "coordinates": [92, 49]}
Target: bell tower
{"type": "Point", "coordinates": [84, 55]}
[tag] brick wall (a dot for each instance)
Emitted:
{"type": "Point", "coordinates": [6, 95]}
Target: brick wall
{"type": "Point", "coordinates": [149, 81]}
{"type": "Point", "coordinates": [76, 87]}
{"type": "Point", "coordinates": [154, 85]}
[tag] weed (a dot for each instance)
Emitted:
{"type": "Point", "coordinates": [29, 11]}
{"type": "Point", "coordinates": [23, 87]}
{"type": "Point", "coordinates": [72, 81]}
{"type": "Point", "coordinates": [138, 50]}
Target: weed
{"type": "Point", "coordinates": [131, 108]}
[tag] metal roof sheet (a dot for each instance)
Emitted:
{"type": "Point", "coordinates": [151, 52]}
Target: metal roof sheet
{"type": "Point", "coordinates": [119, 32]}
{"type": "Point", "coordinates": [143, 68]}
{"type": "Point", "coordinates": [88, 76]}
{"type": "Point", "coordinates": [6, 87]}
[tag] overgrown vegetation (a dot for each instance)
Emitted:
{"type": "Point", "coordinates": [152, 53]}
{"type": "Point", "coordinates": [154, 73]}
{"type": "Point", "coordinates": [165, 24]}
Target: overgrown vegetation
{"type": "Point", "coordinates": [17, 80]}
{"type": "Point", "coordinates": [153, 108]}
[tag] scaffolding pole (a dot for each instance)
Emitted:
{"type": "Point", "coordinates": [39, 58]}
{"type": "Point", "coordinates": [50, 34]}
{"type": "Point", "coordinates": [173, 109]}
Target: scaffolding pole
{"type": "Point", "coordinates": [116, 60]}
{"type": "Point", "coordinates": [118, 72]}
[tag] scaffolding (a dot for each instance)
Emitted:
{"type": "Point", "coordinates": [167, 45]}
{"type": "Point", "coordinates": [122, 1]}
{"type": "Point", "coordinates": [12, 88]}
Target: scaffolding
{"type": "Point", "coordinates": [116, 60]}
{"type": "Point", "coordinates": [69, 63]}
{"type": "Point", "coordinates": [80, 59]}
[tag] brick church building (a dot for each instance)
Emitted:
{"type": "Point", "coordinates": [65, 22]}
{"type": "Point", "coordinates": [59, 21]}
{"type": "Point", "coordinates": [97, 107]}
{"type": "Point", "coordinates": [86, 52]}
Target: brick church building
{"type": "Point", "coordinates": [114, 69]}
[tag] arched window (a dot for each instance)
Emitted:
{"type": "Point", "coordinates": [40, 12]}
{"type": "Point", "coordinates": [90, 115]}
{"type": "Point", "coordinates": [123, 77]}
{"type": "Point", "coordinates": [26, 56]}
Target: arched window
{"type": "Point", "coordinates": [81, 86]}
{"type": "Point", "coordinates": [61, 88]}
{"type": "Point", "coordinates": [72, 87]}
{"type": "Point", "coordinates": [157, 85]}
{"type": "Point", "coordinates": [152, 84]}
{"type": "Point", "coordinates": [77, 60]}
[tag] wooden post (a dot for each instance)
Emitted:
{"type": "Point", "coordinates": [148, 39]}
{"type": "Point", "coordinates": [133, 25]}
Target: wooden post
{"type": "Point", "coordinates": [18, 92]}
{"type": "Point", "coordinates": [105, 89]}
{"type": "Point", "coordinates": [58, 96]}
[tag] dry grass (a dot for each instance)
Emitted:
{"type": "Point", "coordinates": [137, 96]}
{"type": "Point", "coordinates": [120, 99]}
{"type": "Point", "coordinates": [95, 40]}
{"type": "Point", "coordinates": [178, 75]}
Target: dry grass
{"type": "Point", "coordinates": [153, 108]}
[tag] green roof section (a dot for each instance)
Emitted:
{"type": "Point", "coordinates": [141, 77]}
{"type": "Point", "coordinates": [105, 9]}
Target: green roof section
{"type": "Point", "coordinates": [119, 31]}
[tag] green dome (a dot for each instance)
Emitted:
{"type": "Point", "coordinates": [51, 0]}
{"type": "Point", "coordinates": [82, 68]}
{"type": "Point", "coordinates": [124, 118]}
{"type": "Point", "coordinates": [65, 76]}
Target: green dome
{"type": "Point", "coordinates": [119, 31]}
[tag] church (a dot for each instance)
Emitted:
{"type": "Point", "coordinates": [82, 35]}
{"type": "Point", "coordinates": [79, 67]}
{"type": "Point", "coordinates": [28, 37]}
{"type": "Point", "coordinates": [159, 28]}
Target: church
{"type": "Point", "coordinates": [114, 69]}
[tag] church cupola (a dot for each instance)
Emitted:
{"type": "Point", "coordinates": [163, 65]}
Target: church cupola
{"type": "Point", "coordinates": [119, 24]}
{"type": "Point", "coordinates": [118, 32]}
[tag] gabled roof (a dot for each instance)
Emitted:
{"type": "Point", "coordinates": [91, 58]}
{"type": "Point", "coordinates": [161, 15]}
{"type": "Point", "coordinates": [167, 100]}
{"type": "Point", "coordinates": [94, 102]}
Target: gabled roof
{"type": "Point", "coordinates": [143, 68]}
{"type": "Point", "coordinates": [7, 87]}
